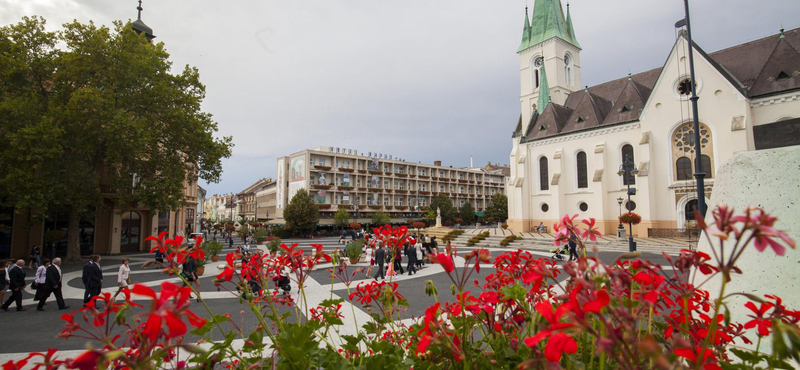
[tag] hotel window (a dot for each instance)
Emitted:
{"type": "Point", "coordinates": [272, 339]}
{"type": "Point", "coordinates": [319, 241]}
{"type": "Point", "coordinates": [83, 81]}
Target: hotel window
{"type": "Point", "coordinates": [583, 178]}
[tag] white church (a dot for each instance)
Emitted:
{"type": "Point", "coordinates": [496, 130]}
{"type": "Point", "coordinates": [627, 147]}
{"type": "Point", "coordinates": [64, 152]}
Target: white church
{"type": "Point", "coordinates": [571, 139]}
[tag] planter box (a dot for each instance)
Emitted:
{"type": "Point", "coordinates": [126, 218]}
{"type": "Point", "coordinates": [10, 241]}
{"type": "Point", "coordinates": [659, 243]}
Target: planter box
{"type": "Point", "coordinates": [324, 206]}
{"type": "Point", "coordinates": [324, 168]}
{"type": "Point", "coordinates": [434, 178]}
{"type": "Point", "coordinates": [401, 191]}
{"type": "Point", "coordinates": [362, 189]}
{"type": "Point", "coordinates": [346, 169]}
{"type": "Point", "coordinates": [375, 207]}
{"type": "Point", "coordinates": [362, 171]}
{"type": "Point", "coordinates": [374, 190]}
{"type": "Point", "coordinates": [376, 172]}
{"type": "Point", "coordinates": [462, 181]}
{"type": "Point", "coordinates": [400, 207]}
{"type": "Point", "coordinates": [424, 192]}
{"type": "Point", "coordinates": [345, 188]}
{"type": "Point", "coordinates": [401, 175]}
{"type": "Point", "coordinates": [387, 190]}
{"type": "Point", "coordinates": [412, 175]}
{"type": "Point", "coordinates": [323, 187]}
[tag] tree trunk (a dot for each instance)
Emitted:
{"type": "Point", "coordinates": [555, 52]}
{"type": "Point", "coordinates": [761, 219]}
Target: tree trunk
{"type": "Point", "coordinates": [73, 247]}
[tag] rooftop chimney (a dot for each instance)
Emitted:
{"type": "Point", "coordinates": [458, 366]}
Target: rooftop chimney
{"type": "Point", "coordinates": [437, 163]}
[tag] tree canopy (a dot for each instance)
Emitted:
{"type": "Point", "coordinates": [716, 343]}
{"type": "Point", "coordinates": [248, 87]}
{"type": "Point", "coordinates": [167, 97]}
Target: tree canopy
{"type": "Point", "coordinates": [445, 205]}
{"type": "Point", "coordinates": [467, 213]}
{"type": "Point", "coordinates": [301, 214]}
{"type": "Point", "coordinates": [380, 218]}
{"type": "Point", "coordinates": [499, 207]}
{"type": "Point", "coordinates": [341, 218]}
{"type": "Point", "coordinates": [89, 114]}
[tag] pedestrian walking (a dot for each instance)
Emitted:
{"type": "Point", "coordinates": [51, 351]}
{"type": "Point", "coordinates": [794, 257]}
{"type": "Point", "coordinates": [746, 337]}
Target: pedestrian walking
{"type": "Point", "coordinates": [420, 253]}
{"type": "Point", "coordinates": [573, 247]}
{"type": "Point", "coordinates": [398, 259]}
{"type": "Point", "coordinates": [380, 258]}
{"type": "Point", "coordinates": [39, 279]}
{"type": "Point", "coordinates": [411, 253]}
{"type": "Point", "coordinates": [92, 278]}
{"type": "Point", "coordinates": [35, 257]}
{"type": "Point", "coordinates": [370, 257]}
{"type": "Point", "coordinates": [190, 275]}
{"type": "Point", "coordinates": [434, 245]}
{"type": "Point", "coordinates": [230, 243]}
{"type": "Point", "coordinates": [52, 286]}
{"type": "Point", "coordinates": [123, 277]}
{"type": "Point", "coordinates": [16, 284]}
{"type": "Point", "coordinates": [160, 255]}
{"type": "Point", "coordinates": [3, 279]}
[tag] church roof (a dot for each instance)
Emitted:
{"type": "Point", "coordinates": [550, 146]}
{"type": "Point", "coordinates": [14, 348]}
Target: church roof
{"type": "Point", "coordinates": [762, 67]}
{"type": "Point", "coordinates": [548, 22]}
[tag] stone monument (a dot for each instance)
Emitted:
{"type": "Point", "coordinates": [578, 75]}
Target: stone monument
{"type": "Point", "coordinates": [438, 217]}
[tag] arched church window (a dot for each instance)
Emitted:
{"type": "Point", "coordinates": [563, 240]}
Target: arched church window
{"type": "Point", "coordinates": [543, 176]}
{"type": "Point", "coordinates": [537, 63]}
{"type": "Point", "coordinates": [684, 154]}
{"type": "Point", "coordinates": [689, 209]}
{"type": "Point", "coordinates": [627, 152]}
{"type": "Point", "coordinates": [568, 69]}
{"type": "Point", "coordinates": [705, 162]}
{"type": "Point", "coordinates": [684, 168]}
{"type": "Point", "coordinates": [583, 179]}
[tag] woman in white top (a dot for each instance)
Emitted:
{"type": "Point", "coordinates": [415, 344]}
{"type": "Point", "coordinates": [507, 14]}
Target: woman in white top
{"type": "Point", "coordinates": [420, 252]}
{"type": "Point", "coordinates": [123, 277]}
{"type": "Point", "coordinates": [41, 279]}
{"type": "Point", "coordinates": [370, 259]}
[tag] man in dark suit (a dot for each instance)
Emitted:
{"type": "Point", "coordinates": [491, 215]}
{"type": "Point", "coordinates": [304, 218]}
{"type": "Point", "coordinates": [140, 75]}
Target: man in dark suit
{"type": "Point", "coordinates": [92, 278]}
{"type": "Point", "coordinates": [53, 285]}
{"type": "Point", "coordinates": [380, 258]}
{"type": "Point", "coordinates": [411, 253]}
{"type": "Point", "coordinates": [16, 276]}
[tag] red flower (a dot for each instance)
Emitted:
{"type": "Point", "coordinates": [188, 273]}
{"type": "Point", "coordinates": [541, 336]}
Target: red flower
{"type": "Point", "coordinates": [86, 361]}
{"type": "Point", "coordinates": [759, 321]}
{"type": "Point", "coordinates": [446, 262]}
{"type": "Point", "coordinates": [591, 232]}
{"type": "Point", "coordinates": [558, 344]}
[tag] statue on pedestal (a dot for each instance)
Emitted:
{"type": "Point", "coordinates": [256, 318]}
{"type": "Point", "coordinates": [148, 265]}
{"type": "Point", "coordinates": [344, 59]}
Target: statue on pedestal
{"type": "Point", "coordinates": [438, 217]}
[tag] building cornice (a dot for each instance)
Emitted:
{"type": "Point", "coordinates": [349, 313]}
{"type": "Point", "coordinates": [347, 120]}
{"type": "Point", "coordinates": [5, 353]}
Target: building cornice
{"type": "Point", "coordinates": [773, 100]}
{"type": "Point", "coordinates": [585, 134]}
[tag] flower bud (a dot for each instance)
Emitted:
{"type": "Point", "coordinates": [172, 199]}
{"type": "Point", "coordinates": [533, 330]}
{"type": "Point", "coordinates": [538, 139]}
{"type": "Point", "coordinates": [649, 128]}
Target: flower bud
{"type": "Point", "coordinates": [430, 288]}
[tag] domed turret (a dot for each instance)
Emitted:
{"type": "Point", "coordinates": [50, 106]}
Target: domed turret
{"type": "Point", "coordinates": [140, 27]}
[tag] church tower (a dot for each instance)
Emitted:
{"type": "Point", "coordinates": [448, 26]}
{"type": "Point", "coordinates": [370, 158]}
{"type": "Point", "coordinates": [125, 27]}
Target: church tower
{"type": "Point", "coordinates": [549, 59]}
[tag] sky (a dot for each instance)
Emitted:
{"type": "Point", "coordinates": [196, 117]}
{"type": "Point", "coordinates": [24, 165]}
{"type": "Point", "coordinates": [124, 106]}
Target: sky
{"type": "Point", "coordinates": [422, 80]}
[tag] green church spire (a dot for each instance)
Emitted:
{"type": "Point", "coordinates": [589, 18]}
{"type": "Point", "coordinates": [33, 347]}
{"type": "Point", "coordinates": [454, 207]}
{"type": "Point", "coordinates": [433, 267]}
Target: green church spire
{"type": "Point", "coordinates": [548, 22]}
{"type": "Point", "coordinates": [570, 29]}
{"type": "Point", "coordinates": [526, 33]}
{"type": "Point", "coordinates": [544, 92]}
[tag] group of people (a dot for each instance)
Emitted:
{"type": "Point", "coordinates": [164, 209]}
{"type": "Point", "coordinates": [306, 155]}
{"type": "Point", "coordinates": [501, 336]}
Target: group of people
{"type": "Point", "coordinates": [389, 261]}
{"type": "Point", "coordinates": [48, 281]}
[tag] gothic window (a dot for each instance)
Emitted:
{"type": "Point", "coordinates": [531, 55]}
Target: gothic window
{"type": "Point", "coordinates": [705, 162]}
{"type": "Point", "coordinates": [537, 63]}
{"type": "Point", "coordinates": [684, 168]}
{"type": "Point", "coordinates": [627, 152]}
{"type": "Point", "coordinates": [568, 69]}
{"type": "Point", "coordinates": [685, 87]}
{"type": "Point", "coordinates": [543, 176]}
{"type": "Point", "coordinates": [689, 209]}
{"type": "Point", "coordinates": [684, 153]}
{"type": "Point", "coordinates": [583, 179]}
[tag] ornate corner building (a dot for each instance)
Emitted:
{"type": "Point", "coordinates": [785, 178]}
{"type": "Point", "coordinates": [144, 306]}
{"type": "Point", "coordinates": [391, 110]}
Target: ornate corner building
{"type": "Point", "coordinates": [571, 139]}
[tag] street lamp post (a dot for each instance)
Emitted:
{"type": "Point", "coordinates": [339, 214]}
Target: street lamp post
{"type": "Point", "coordinates": [698, 169]}
{"type": "Point", "coordinates": [628, 169]}
{"type": "Point", "coordinates": [619, 201]}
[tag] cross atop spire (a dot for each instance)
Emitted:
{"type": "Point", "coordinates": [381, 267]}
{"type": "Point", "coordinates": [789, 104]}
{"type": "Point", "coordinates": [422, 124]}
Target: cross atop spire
{"type": "Point", "coordinates": [139, 8]}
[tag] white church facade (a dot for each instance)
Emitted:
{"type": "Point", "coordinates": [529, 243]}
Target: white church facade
{"type": "Point", "coordinates": [571, 139]}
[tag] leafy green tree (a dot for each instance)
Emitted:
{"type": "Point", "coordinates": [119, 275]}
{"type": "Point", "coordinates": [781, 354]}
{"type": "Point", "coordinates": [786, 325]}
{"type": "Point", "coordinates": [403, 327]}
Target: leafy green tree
{"type": "Point", "coordinates": [380, 218]}
{"type": "Point", "coordinates": [341, 218]}
{"type": "Point", "coordinates": [302, 214]}
{"type": "Point", "coordinates": [467, 213]}
{"type": "Point", "coordinates": [429, 216]}
{"type": "Point", "coordinates": [499, 208]}
{"type": "Point", "coordinates": [445, 205]}
{"type": "Point", "coordinates": [100, 117]}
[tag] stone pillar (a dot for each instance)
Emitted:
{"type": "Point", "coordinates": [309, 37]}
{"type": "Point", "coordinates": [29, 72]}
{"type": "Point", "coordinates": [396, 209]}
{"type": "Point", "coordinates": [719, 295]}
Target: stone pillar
{"type": "Point", "coordinates": [116, 232]}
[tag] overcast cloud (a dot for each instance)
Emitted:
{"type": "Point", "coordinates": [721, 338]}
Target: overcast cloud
{"type": "Point", "coordinates": [419, 79]}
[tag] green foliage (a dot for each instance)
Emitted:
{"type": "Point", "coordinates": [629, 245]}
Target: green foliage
{"type": "Point", "coordinates": [281, 232]}
{"type": "Point", "coordinates": [452, 235]}
{"type": "Point", "coordinates": [243, 231]}
{"type": "Point", "coordinates": [353, 249]}
{"type": "Point", "coordinates": [77, 121]}
{"type": "Point", "coordinates": [445, 205]}
{"type": "Point", "coordinates": [274, 244]}
{"type": "Point", "coordinates": [301, 214]}
{"type": "Point", "coordinates": [212, 248]}
{"type": "Point", "coordinates": [260, 235]}
{"type": "Point", "coordinates": [477, 238]}
{"type": "Point", "coordinates": [341, 218]}
{"type": "Point", "coordinates": [467, 213]}
{"type": "Point", "coordinates": [380, 218]}
{"type": "Point", "coordinates": [507, 240]}
{"type": "Point", "coordinates": [499, 208]}
{"type": "Point", "coordinates": [429, 216]}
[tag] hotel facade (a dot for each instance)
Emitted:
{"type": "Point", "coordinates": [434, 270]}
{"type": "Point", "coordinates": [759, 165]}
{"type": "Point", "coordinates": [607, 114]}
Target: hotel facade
{"type": "Point", "coordinates": [366, 184]}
